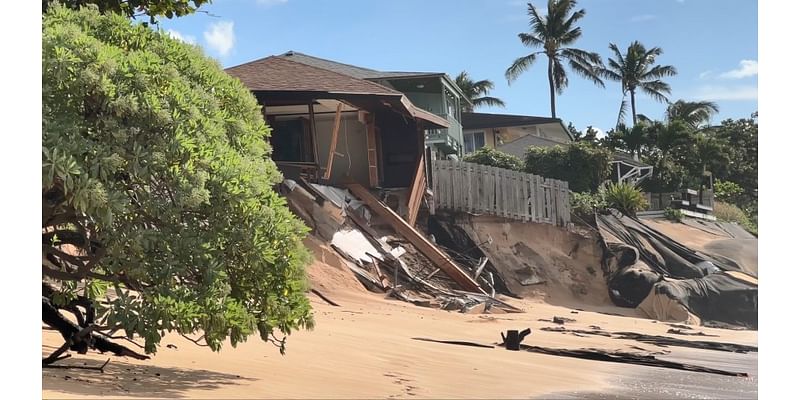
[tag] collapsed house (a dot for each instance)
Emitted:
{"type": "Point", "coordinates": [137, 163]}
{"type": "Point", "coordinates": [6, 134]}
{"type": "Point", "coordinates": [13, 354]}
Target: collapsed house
{"type": "Point", "coordinates": [352, 154]}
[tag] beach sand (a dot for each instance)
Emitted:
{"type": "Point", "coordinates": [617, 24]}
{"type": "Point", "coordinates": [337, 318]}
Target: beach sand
{"type": "Point", "coordinates": [364, 349]}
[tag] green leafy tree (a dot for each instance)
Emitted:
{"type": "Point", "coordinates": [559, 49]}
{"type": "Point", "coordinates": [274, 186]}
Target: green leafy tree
{"type": "Point", "coordinates": [694, 113]}
{"type": "Point", "coordinates": [494, 158]}
{"type": "Point", "coordinates": [552, 33]}
{"type": "Point", "coordinates": [477, 92]}
{"type": "Point", "coordinates": [134, 8]}
{"type": "Point", "coordinates": [636, 71]}
{"type": "Point", "coordinates": [583, 166]}
{"type": "Point", "coordinates": [157, 186]}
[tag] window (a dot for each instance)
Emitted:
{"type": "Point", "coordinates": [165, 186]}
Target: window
{"type": "Point", "coordinates": [291, 140]}
{"type": "Point", "coordinates": [473, 141]}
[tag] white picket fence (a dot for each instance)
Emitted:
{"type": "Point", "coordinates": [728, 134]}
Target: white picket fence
{"type": "Point", "coordinates": [481, 189]}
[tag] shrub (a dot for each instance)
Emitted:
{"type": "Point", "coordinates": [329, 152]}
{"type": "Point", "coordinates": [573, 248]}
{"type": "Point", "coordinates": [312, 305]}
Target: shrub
{"type": "Point", "coordinates": [156, 168]}
{"type": "Point", "coordinates": [728, 192]}
{"type": "Point", "coordinates": [494, 158]}
{"type": "Point", "coordinates": [731, 213]}
{"type": "Point", "coordinates": [586, 204]}
{"type": "Point", "coordinates": [673, 214]}
{"type": "Point", "coordinates": [625, 197]}
{"type": "Point", "coordinates": [583, 166]}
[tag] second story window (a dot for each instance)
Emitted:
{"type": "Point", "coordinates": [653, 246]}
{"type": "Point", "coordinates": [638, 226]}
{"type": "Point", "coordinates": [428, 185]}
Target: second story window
{"type": "Point", "coordinates": [473, 141]}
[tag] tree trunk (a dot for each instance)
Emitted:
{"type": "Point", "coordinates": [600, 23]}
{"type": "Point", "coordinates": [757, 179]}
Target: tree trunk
{"type": "Point", "coordinates": [552, 87]}
{"type": "Point", "coordinates": [633, 105]}
{"type": "Point", "coordinates": [52, 317]}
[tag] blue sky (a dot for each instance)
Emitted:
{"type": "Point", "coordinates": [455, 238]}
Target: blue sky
{"type": "Point", "coordinates": [712, 43]}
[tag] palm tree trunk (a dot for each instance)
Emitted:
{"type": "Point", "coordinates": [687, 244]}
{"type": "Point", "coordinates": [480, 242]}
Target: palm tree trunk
{"type": "Point", "coordinates": [552, 86]}
{"type": "Point", "coordinates": [633, 106]}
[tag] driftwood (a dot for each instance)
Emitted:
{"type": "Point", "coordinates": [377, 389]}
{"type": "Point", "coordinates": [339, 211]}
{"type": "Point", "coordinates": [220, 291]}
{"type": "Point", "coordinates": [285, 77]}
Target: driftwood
{"type": "Point", "coordinates": [663, 340]}
{"type": "Point", "coordinates": [627, 358]}
{"type": "Point", "coordinates": [600, 355]}
{"type": "Point", "coordinates": [323, 297]}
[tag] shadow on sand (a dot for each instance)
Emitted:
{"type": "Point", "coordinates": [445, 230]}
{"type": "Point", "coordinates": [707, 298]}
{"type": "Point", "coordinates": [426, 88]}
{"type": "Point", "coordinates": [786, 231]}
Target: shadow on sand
{"type": "Point", "coordinates": [123, 378]}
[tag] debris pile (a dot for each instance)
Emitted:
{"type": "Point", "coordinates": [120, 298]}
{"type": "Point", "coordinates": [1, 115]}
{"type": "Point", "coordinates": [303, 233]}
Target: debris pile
{"type": "Point", "coordinates": [387, 255]}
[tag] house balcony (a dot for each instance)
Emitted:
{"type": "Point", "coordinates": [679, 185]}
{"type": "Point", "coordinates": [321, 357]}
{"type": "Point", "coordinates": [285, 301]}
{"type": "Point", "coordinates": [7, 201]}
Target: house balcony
{"type": "Point", "coordinates": [450, 140]}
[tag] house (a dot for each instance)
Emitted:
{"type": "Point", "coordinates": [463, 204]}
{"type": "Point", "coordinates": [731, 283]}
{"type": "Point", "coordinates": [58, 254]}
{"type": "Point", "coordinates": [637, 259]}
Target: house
{"type": "Point", "coordinates": [512, 134]}
{"type": "Point", "coordinates": [434, 92]}
{"type": "Point", "coordinates": [331, 127]}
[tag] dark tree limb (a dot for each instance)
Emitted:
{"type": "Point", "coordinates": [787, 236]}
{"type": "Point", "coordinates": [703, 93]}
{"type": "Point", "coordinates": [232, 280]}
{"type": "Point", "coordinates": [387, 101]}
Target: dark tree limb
{"type": "Point", "coordinates": [52, 317]}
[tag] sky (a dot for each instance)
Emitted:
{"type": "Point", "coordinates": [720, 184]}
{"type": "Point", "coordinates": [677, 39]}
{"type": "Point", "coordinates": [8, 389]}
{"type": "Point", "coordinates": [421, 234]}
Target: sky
{"type": "Point", "coordinates": [713, 44]}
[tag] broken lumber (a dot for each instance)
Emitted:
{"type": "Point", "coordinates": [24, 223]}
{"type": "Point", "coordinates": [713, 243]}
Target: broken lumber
{"type": "Point", "coordinates": [334, 139]}
{"type": "Point", "coordinates": [663, 340]}
{"type": "Point", "coordinates": [417, 191]}
{"type": "Point", "coordinates": [419, 241]}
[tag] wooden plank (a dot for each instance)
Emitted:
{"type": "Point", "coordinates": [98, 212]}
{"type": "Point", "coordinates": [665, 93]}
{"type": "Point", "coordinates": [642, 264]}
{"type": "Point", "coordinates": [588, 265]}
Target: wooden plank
{"type": "Point", "coordinates": [468, 178]}
{"type": "Point", "coordinates": [334, 140]}
{"type": "Point", "coordinates": [540, 200]}
{"type": "Point", "coordinates": [372, 151]}
{"type": "Point", "coordinates": [417, 191]}
{"type": "Point", "coordinates": [497, 191]}
{"type": "Point", "coordinates": [419, 241]}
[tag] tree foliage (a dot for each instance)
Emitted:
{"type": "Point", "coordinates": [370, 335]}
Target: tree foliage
{"type": "Point", "coordinates": [133, 8]}
{"type": "Point", "coordinates": [553, 33]}
{"type": "Point", "coordinates": [494, 158]}
{"type": "Point", "coordinates": [636, 70]}
{"type": "Point", "coordinates": [584, 166]}
{"type": "Point", "coordinates": [157, 183]}
{"type": "Point", "coordinates": [477, 92]}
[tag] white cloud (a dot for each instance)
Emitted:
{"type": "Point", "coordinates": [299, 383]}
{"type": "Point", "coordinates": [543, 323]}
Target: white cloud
{"type": "Point", "coordinates": [269, 3]}
{"type": "Point", "coordinates": [183, 38]}
{"type": "Point", "coordinates": [643, 18]}
{"type": "Point", "coordinates": [733, 93]}
{"type": "Point", "coordinates": [746, 69]}
{"type": "Point", "coordinates": [706, 74]}
{"type": "Point", "coordinates": [220, 37]}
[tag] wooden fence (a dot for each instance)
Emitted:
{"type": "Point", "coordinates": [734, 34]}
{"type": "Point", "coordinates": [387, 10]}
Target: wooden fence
{"type": "Point", "coordinates": [481, 189]}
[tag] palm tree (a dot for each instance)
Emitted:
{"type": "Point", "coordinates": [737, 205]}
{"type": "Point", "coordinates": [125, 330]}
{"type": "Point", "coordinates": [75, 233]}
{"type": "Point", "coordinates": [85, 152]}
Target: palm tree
{"type": "Point", "coordinates": [693, 113]}
{"type": "Point", "coordinates": [635, 70]}
{"type": "Point", "coordinates": [552, 34]}
{"type": "Point", "coordinates": [477, 92]}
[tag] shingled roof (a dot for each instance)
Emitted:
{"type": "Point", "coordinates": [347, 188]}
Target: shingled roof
{"type": "Point", "coordinates": [277, 73]}
{"type": "Point", "coordinates": [518, 147]}
{"type": "Point", "coordinates": [483, 121]}
{"type": "Point", "coordinates": [347, 69]}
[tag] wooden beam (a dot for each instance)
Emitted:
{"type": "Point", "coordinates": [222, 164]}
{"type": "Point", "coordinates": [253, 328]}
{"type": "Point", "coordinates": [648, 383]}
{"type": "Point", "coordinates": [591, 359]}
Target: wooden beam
{"type": "Point", "coordinates": [419, 241]}
{"type": "Point", "coordinates": [334, 140]}
{"type": "Point", "coordinates": [417, 191]}
{"type": "Point", "coordinates": [372, 151]}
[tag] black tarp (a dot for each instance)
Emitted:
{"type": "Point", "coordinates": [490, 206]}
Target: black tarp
{"type": "Point", "coordinates": [640, 259]}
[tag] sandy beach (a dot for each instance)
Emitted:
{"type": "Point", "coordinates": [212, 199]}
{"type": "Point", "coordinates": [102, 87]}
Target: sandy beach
{"type": "Point", "coordinates": [364, 349]}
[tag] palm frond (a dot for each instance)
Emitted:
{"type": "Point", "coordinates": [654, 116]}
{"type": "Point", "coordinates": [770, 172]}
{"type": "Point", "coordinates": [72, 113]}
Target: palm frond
{"type": "Point", "coordinates": [530, 40]}
{"type": "Point", "coordinates": [559, 76]}
{"type": "Point", "coordinates": [488, 101]}
{"type": "Point", "coordinates": [659, 71]}
{"type": "Point", "coordinates": [519, 66]}
{"type": "Point", "coordinates": [623, 110]}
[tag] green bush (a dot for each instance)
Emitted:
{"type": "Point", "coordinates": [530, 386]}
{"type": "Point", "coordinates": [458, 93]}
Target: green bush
{"type": "Point", "coordinates": [586, 204]}
{"type": "Point", "coordinates": [625, 197]}
{"type": "Point", "coordinates": [673, 214]}
{"type": "Point", "coordinates": [731, 213]}
{"type": "Point", "coordinates": [584, 167]}
{"type": "Point", "coordinates": [494, 158]}
{"type": "Point", "coordinates": [728, 192]}
{"type": "Point", "coordinates": [156, 167]}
